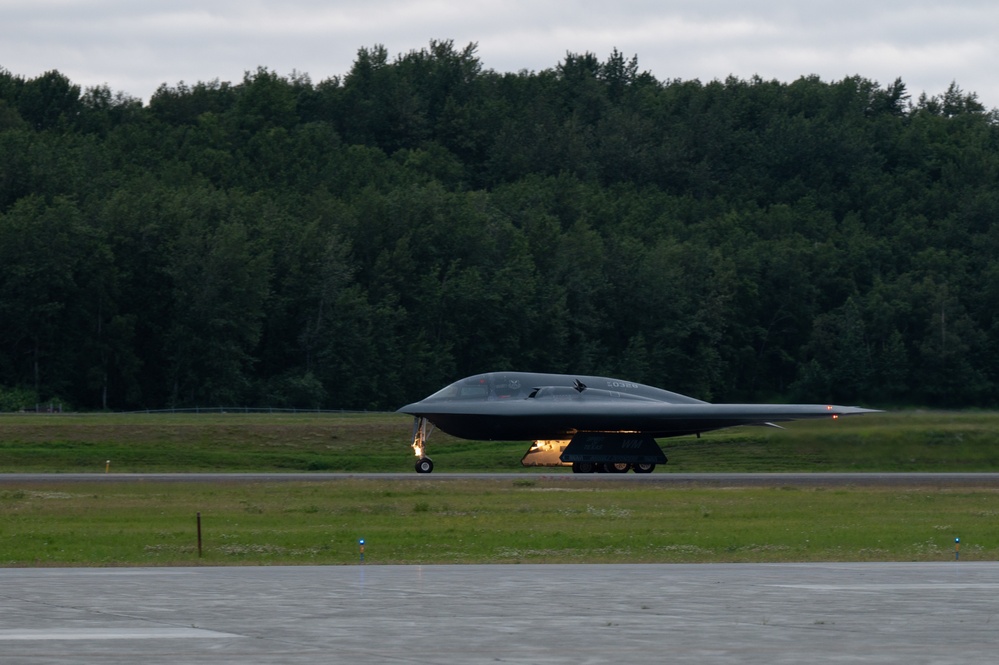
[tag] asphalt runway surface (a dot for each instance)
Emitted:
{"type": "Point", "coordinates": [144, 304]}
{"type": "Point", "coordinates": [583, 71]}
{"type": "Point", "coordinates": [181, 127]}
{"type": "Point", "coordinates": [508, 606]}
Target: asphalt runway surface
{"type": "Point", "coordinates": [678, 479]}
{"type": "Point", "coordinates": [912, 613]}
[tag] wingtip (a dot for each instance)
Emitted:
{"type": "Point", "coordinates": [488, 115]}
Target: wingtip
{"type": "Point", "coordinates": [856, 410]}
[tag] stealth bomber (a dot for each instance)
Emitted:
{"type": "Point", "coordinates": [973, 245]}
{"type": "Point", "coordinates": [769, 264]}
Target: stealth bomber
{"type": "Point", "coordinates": [591, 423]}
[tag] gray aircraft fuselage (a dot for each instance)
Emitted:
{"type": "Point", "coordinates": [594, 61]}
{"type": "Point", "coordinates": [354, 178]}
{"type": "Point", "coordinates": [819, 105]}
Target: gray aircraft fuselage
{"type": "Point", "coordinates": [524, 406]}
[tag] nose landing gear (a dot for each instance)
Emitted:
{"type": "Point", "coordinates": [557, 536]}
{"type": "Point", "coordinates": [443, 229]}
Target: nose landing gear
{"type": "Point", "coordinates": [421, 432]}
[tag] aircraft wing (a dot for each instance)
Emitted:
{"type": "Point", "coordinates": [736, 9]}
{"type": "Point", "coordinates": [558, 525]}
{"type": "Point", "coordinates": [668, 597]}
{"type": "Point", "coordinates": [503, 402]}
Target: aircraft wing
{"type": "Point", "coordinates": [526, 420]}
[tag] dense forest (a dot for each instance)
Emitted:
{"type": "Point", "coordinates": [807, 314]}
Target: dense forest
{"type": "Point", "coordinates": [362, 241]}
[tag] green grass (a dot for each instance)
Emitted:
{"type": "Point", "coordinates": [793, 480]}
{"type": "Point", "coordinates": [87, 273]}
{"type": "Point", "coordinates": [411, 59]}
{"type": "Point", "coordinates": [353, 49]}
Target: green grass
{"type": "Point", "coordinates": [526, 518]}
{"type": "Point", "coordinates": [207, 442]}
{"type": "Point", "coordinates": [506, 521]}
{"type": "Point", "coordinates": [905, 441]}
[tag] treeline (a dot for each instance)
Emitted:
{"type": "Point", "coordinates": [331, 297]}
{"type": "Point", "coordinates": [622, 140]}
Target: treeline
{"type": "Point", "coordinates": [362, 241]}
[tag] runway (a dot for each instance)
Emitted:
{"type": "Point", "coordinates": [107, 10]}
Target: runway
{"type": "Point", "coordinates": [664, 478]}
{"type": "Point", "coordinates": [911, 613]}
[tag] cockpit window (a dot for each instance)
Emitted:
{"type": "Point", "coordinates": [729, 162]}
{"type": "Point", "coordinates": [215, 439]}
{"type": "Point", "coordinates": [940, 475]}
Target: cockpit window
{"type": "Point", "coordinates": [483, 387]}
{"type": "Point", "coordinates": [473, 391]}
{"type": "Point", "coordinates": [476, 387]}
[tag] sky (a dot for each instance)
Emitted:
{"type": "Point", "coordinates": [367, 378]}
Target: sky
{"type": "Point", "coordinates": [134, 46]}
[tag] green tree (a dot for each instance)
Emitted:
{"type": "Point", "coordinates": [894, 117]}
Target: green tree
{"type": "Point", "coordinates": [53, 298]}
{"type": "Point", "coordinates": [49, 101]}
{"type": "Point", "coordinates": [219, 286]}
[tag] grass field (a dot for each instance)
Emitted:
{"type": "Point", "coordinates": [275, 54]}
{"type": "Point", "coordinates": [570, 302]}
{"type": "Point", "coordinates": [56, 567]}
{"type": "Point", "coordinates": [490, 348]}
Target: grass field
{"type": "Point", "coordinates": [522, 519]}
{"type": "Point", "coordinates": [909, 441]}
{"type": "Point", "coordinates": [526, 518]}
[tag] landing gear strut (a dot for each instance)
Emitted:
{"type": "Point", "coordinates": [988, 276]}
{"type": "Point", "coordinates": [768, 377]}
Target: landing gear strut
{"type": "Point", "coordinates": [421, 431]}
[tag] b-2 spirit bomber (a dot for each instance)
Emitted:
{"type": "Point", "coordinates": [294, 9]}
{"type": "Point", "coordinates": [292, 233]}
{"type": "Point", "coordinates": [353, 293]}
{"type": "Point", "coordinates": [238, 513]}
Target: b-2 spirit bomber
{"type": "Point", "coordinates": [590, 423]}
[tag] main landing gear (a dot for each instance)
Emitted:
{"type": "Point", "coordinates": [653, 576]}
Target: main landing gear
{"type": "Point", "coordinates": [612, 467]}
{"type": "Point", "coordinates": [421, 431]}
{"type": "Point", "coordinates": [549, 453]}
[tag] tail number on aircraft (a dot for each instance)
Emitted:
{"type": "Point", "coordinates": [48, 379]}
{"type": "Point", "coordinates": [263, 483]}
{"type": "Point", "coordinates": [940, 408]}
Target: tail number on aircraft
{"type": "Point", "coordinates": [622, 384]}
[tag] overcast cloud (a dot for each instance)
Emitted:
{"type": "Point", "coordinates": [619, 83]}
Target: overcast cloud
{"type": "Point", "coordinates": [134, 46]}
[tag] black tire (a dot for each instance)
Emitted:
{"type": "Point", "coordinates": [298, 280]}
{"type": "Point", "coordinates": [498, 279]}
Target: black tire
{"type": "Point", "coordinates": [617, 467]}
{"type": "Point", "coordinates": [644, 468]}
{"type": "Point", "coordinates": [424, 465]}
{"type": "Point", "coordinates": [583, 467]}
